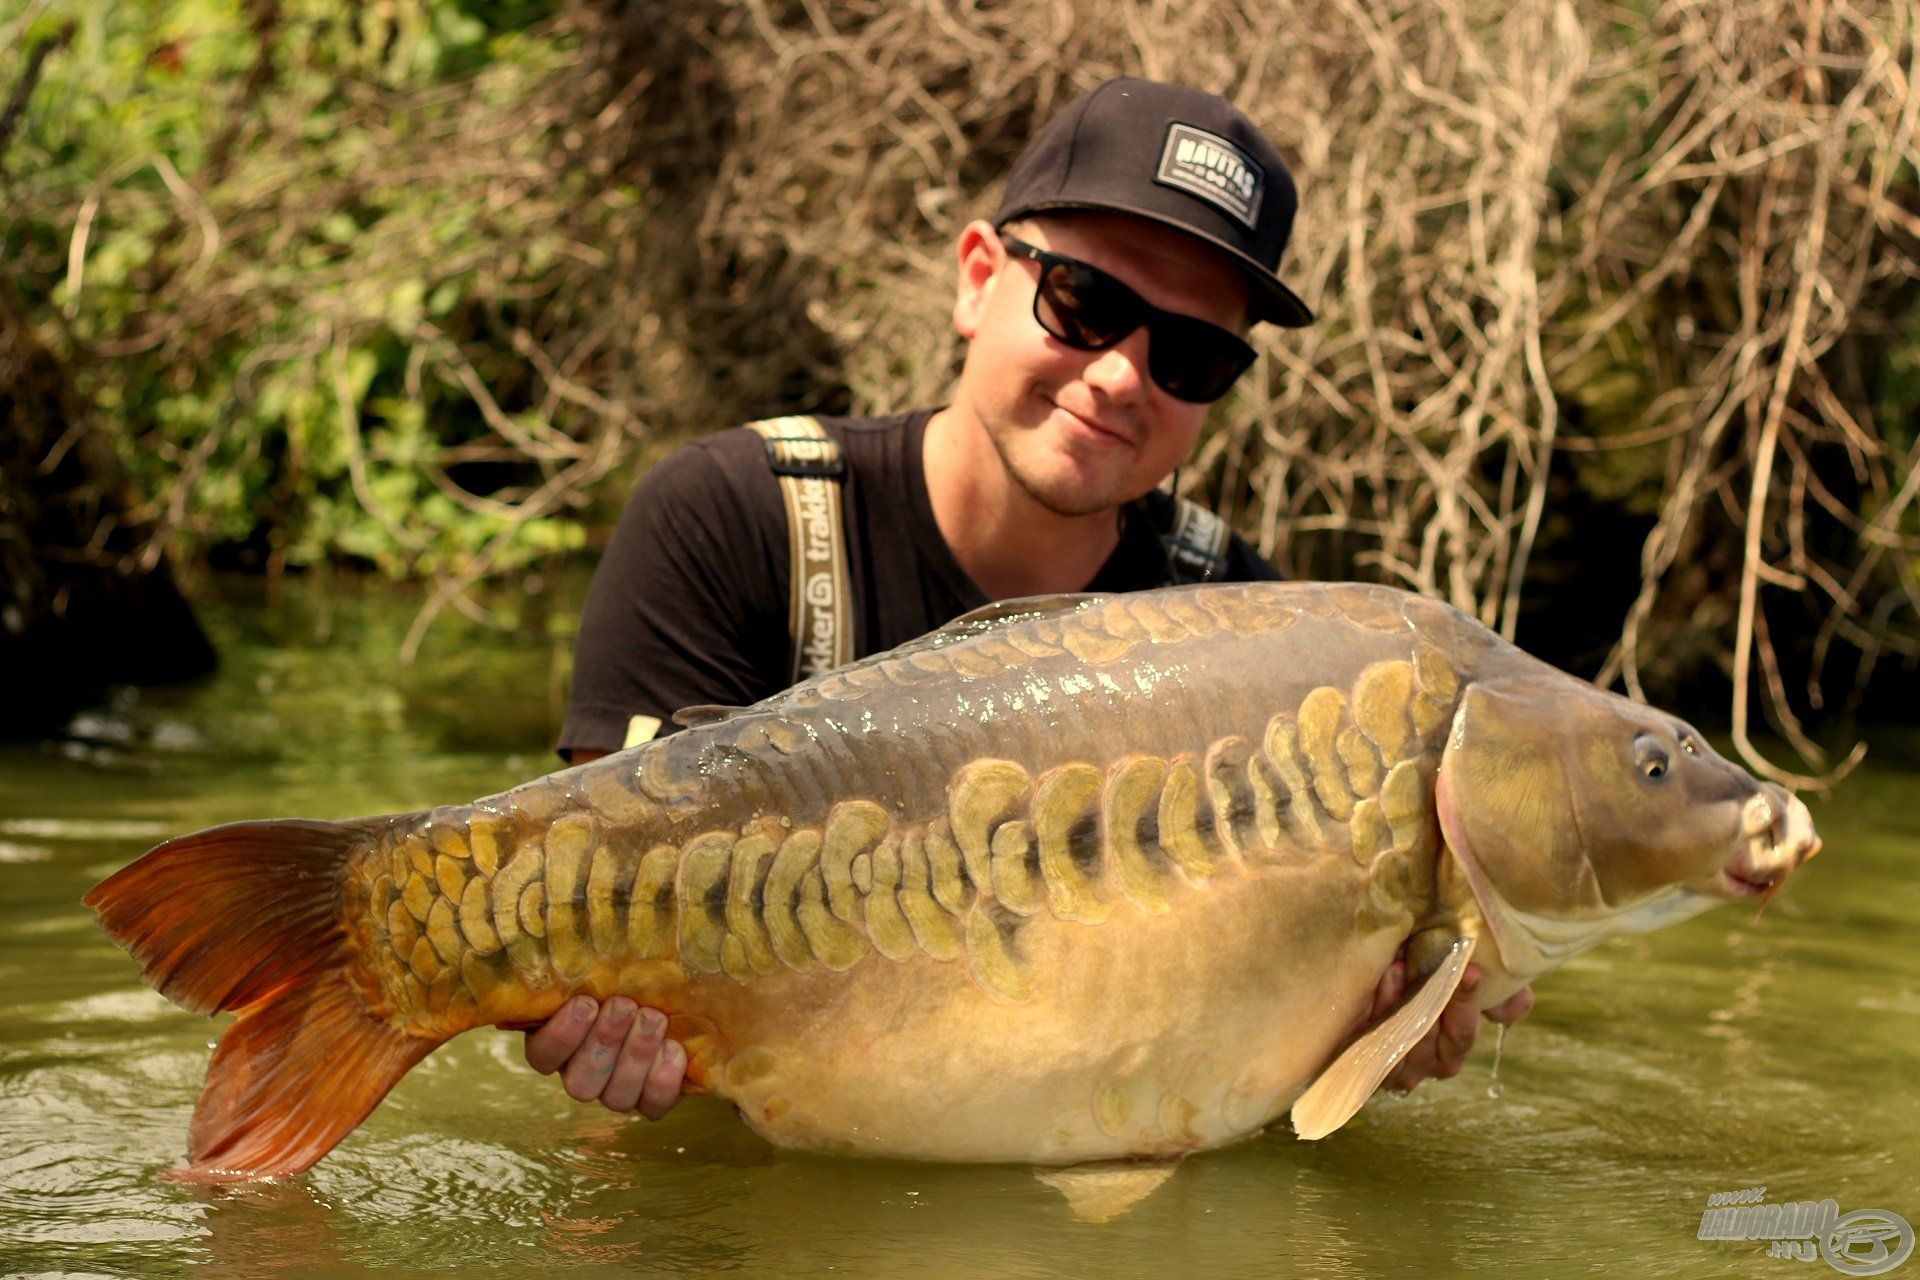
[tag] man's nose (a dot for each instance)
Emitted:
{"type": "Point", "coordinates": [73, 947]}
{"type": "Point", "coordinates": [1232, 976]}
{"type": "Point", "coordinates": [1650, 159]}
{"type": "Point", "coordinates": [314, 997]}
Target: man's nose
{"type": "Point", "coordinates": [1120, 372]}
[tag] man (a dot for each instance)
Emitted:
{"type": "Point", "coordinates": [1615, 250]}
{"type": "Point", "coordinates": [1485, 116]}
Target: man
{"type": "Point", "coordinates": [1138, 238]}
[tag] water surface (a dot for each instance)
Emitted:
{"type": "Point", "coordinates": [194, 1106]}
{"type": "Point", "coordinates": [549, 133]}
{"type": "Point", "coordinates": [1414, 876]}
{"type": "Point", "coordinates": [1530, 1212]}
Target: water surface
{"type": "Point", "coordinates": [1715, 1056]}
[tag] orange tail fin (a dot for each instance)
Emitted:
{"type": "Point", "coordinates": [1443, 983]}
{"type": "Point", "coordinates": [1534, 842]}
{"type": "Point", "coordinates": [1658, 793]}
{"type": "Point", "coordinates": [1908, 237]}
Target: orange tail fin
{"type": "Point", "coordinates": [246, 917]}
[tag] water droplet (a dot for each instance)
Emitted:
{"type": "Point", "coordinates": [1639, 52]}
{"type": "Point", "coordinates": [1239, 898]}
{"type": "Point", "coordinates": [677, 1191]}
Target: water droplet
{"type": "Point", "coordinates": [1494, 1087]}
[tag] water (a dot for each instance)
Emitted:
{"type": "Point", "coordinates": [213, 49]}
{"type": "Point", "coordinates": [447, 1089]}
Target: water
{"type": "Point", "coordinates": [1715, 1056]}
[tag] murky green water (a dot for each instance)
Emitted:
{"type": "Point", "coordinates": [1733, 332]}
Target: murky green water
{"type": "Point", "coordinates": [1715, 1056]}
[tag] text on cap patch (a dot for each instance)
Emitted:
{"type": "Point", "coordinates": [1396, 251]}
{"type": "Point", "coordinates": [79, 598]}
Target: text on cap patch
{"type": "Point", "coordinates": [1208, 166]}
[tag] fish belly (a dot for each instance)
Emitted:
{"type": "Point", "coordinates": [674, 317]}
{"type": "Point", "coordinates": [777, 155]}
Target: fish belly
{"type": "Point", "coordinates": [1146, 1035]}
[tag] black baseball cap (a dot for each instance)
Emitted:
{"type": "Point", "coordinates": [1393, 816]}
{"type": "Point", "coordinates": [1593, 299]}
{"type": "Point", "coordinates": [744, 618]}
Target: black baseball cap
{"type": "Point", "coordinates": [1181, 157]}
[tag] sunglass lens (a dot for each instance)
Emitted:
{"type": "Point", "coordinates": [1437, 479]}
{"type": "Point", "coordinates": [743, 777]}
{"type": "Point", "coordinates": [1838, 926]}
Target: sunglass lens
{"type": "Point", "coordinates": [1084, 308]}
{"type": "Point", "coordinates": [1195, 362]}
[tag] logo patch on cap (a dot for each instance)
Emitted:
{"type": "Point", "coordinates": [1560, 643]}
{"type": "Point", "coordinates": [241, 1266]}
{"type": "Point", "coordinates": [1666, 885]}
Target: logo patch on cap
{"type": "Point", "coordinates": [1208, 166]}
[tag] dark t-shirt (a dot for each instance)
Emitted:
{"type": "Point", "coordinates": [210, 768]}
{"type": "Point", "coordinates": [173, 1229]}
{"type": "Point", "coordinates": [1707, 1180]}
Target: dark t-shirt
{"type": "Point", "coordinates": [689, 605]}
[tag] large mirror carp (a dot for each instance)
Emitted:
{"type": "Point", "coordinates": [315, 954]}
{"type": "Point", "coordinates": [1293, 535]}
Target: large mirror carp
{"type": "Point", "coordinates": [1071, 879]}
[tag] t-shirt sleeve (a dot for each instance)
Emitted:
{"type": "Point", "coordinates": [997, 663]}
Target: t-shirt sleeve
{"type": "Point", "coordinates": [687, 605]}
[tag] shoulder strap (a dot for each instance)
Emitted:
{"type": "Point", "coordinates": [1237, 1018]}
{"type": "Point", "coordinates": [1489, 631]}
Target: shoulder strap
{"type": "Point", "coordinates": [1197, 543]}
{"type": "Point", "coordinates": [810, 468]}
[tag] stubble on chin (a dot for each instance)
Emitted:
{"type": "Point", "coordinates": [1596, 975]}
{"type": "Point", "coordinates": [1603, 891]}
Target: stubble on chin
{"type": "Point", "coordinates": [1058, 490]}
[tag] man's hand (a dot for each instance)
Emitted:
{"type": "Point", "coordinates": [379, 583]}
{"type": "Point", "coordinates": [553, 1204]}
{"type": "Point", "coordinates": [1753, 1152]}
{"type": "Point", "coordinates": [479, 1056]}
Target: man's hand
{"type": "Point", "coordinates": [1443, 1050]}
{"type": "Point", "coordinates": [616, 1052]}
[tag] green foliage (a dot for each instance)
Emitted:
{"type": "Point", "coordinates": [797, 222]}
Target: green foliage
{"type": "Point", "coordinates": [268, 242]}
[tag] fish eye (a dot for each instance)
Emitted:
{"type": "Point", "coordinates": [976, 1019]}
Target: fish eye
{"type": "Point", "coordinates": [1650, 758]}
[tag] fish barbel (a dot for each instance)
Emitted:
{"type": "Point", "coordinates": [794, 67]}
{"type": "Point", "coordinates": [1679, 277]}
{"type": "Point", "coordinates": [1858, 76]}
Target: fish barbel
{"type": "Point", "coordinates": [1070, 879]}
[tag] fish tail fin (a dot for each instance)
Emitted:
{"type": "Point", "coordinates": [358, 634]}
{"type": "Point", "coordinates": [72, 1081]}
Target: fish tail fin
{"type": "Point", "coordinates": [246, 918]}
{"type": "Point", "coordinates": [291, 1077]}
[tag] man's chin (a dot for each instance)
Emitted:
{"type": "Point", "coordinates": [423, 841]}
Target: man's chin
{"type": "Point", "coordinates": [1070, 477]}
{"type": "Point", "coordinates": [1073, 493]}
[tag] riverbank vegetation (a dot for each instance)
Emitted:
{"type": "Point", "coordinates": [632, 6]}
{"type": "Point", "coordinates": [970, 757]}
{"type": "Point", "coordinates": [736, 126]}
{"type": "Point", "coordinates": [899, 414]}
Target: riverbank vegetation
{"type": "Point", "coordinates": [1618, 344]}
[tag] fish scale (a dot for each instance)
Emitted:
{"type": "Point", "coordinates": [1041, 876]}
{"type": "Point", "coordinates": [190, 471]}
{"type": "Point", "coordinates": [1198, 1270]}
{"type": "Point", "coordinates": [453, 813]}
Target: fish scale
{"type": "Point", "coordinates": [1067, 880]}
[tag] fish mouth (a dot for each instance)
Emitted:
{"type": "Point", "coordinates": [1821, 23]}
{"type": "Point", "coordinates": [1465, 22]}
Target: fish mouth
{"type": "Point", "coordinates": [1736, 885]}
{"type": "Point", "coordinates": [1779, 837]}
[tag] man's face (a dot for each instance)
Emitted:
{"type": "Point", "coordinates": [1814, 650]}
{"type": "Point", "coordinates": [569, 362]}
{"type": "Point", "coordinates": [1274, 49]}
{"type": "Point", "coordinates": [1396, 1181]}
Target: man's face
{"type": "Point", "coordinates": [1084, 431]}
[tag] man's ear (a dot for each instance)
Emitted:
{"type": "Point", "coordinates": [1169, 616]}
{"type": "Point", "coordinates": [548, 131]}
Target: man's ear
{"type": "Point", "coordinates": [979, 255]}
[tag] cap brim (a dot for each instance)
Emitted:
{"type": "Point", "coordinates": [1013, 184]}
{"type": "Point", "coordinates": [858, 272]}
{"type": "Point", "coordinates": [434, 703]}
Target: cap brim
{"type": "Point", "coordinates": [1272, 302]}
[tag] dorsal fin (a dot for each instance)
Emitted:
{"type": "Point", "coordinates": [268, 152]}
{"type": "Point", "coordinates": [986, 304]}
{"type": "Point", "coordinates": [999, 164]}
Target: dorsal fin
{"type": "Point", "coordinates": [1019, 609]}
{"type": "Point", "coordinates": [706, 713]}
{"type": "Point", "coordinates": [988, 617]}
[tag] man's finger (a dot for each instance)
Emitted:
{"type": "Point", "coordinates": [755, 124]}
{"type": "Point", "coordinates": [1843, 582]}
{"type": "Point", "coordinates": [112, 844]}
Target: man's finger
{"type": "Point", "coordinates": [550, 1045]}
{"type": "Point", "coordinates": [1513, 1008]}
{"type": "Point", "coordinates": [1459, 1023]}
{"type": "Point", "coordinates": [636, 1059]}
{"type": "Point", "coordinates": [1386, 996]}
{"type": "Point", "coordinates": [591, 1065]}
{"type": "Point", "coordinates": [663, 1082]}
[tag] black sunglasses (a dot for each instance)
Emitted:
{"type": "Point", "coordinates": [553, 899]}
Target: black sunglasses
{"type": "Point", "coordinates": [1089, 310]}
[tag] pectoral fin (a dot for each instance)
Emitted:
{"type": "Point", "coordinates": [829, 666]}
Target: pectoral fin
{"type": "Point", "coordinates": [1344, 1087]}
{"type": "Point", "coordinates": [1099, 1192]}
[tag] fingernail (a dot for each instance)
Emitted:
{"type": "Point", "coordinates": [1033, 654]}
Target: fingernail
{"type": "Point", "coordinates": [581, 1006]}
{"type": "Point", "coordinates": [652, 1021]}
{"type": "Point", "coordinates": [620, 1012]}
